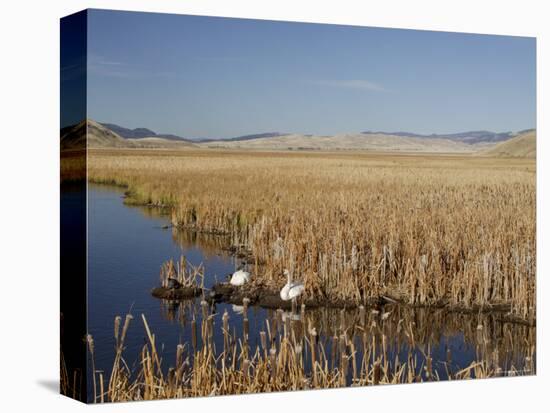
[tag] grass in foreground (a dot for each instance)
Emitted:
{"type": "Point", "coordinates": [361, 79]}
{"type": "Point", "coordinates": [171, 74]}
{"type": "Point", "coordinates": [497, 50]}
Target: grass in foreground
{"type": "Point", "coordinates": [291, 355]}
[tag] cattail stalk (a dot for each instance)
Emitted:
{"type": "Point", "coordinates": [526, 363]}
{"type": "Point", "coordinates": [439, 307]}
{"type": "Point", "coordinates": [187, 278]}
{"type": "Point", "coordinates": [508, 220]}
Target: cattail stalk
{"type": "Point", "coordinates": [90, 341]}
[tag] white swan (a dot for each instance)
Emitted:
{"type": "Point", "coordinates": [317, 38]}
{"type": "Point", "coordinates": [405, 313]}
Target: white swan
{"type": "Point", "coordinates": [291, 290]}
{"type": "Point", "coordinates": [239, 278]}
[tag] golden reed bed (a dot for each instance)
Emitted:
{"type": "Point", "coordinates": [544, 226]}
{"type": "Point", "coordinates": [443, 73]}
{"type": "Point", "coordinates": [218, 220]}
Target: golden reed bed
{"type": "Point", "coordinates": [444, 230]}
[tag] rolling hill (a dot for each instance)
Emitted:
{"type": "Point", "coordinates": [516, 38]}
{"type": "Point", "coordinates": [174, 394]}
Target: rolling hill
{"type": "Point", "coordinates": [466, 137]}
{"type": "Point", "coordinates": [523, 145]}
{"type": "Point", "coordinates": [92, 133]}
{"type": "Point", "coordinates": [360, 141]}
{"type": "Point", "coordinates": [99, 136]}
{"type": "Point", "coordinates": [157, 142]}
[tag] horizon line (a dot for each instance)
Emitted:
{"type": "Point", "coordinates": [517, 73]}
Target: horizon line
{"type": "Point", "coordinates": [312, 134]}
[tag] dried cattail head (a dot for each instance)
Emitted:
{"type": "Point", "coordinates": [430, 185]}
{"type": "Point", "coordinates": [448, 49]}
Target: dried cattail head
{"type": "Point", "coordinates": [179, 355]}
{"type": "Point", "coordinates": [210, 325]}
{"type": "Point", "coordinates": [129, 317]}
{"type": "Point", "coordinates": [194, 333]}
{"type": "Point", "coordinates": [273, 361]}
{"type": "Point", "coordinates": [90, 341]}
{"type": "Point", "coordinates": [246, 368]}
{"type": "Point", "coordinates": [263, 339]}
{"type": "Point", "coordinates": [245, 328]}
{"type": "Point", "coordinates": [298, 354]}
{"type": "Point", "coordinates": [118, 320]}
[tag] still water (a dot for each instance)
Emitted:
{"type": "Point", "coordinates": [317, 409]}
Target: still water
{"type": "Point", "coordinates": [127, 246]}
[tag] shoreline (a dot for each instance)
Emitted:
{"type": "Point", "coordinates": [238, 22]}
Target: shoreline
{"type": "Point", "coordinates": [268, 298]}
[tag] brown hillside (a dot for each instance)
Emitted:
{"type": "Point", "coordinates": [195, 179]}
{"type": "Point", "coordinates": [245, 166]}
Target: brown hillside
{"type": "Point", "coordinates": [99, 136]}
{"type": "Point", "coordinates": [94, 134]}
{"type": "Point", "coordinates": [521, 146]}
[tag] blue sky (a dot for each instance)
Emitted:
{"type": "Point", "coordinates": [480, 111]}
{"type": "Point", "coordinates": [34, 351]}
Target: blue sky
{"type": "Point", "coordinates": [218, 77]}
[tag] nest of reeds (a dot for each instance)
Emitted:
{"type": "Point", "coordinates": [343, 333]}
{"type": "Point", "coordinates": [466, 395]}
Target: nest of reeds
{"type": "Point", "coordinates": [179, 280]}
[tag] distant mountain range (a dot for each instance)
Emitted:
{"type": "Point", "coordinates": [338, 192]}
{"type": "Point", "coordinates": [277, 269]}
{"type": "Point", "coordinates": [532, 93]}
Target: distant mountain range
{"type": "Point", "coordinates": [141, 133]}
{"type": "Point", "coordinates": [108, 135]}
{"type": "Point", "coordinates": [470, 137]}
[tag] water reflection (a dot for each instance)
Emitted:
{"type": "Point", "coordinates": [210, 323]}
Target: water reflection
{"type": "Point", "coordinates": [452, 341]}
{"type": "Point", "coordinates": [211, 245]}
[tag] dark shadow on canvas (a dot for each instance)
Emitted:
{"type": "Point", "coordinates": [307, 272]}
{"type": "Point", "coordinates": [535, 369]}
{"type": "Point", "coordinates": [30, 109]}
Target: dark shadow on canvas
{"type": "Point", "coordinates": [50, 385]}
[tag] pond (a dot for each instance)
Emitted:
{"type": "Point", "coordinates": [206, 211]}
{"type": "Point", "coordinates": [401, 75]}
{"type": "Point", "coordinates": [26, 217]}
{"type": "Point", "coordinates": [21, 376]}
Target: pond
{"type": "Point", "coordinates": [128, 244]}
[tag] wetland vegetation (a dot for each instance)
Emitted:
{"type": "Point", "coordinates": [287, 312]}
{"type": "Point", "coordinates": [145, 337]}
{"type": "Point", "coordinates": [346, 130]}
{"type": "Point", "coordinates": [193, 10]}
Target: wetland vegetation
{"type": "Point", "coordinates": [416, 268]}
{"type": "Point", "coordinates": [444, 231]}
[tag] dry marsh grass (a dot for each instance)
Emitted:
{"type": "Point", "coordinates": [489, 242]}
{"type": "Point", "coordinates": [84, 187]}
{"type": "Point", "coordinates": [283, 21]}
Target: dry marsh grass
{"type": "Point", "coordinates": [290, 355]}
{"type": "Point", "coordinates": [426, 230]}
{"type": "Point", "coordinates": [183, 272]}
